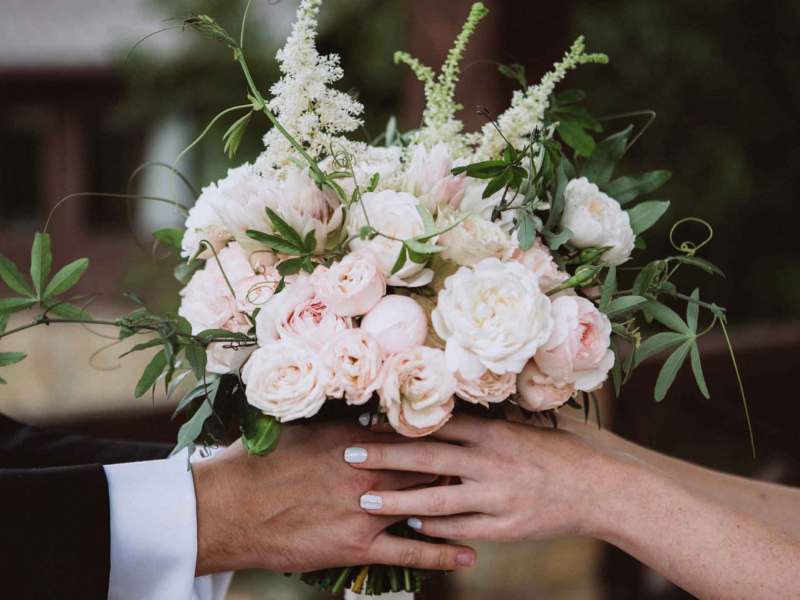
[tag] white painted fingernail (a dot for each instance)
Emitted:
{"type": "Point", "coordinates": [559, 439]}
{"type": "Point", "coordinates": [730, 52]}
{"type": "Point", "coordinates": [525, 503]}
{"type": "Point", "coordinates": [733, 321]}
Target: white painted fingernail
{"type": "Point", "coordinates": [414, 523]}
{"type": "Point", "coordinates": [371, 502]}
{"type": "Point", "coordinates": [355, 455]}
{"type": "Point", "coordinates": [375, 419]}
{"type": "Point", "coordinates": [364, 419]}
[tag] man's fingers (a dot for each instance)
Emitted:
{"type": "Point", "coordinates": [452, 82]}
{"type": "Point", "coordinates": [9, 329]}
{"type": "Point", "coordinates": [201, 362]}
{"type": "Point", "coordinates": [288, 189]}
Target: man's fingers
{"type": "Point", "coordinates": [460, 527]}
{"type": "Point", "coordinates": [423, 457]}
{"type": "Point", "coordinates": [391, 550]}
{"type": "Point", "coordinates": [432, 501]}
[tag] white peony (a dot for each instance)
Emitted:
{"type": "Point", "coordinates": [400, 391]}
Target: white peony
{"type": "Point", "coordinates": [472, 240]}
{"type": "Point", "coordinates": [473, 202]}
{"type": "Point", "coordinates": [353, 359]}
{"type": "Point", "coordinates": [204, 224]}
{"type": "Point", "coordinates": [393, 214]}
{"type": "Point", "coordinates": [286, 380]}
{"type": "Point", "coordinates": [596, 220]}
{"type": "Point", "coordinates": [417, 391]}
{"type": "Point", "coordinates": [428, 177]}
{"type": "Point", "coordinates": [540, 261]}
{"type": "Point", "coordinates": [491, 317]}
{"type": "Point", "coordinates": [397, 322]}
{"type": "Point", "coordinates": [350, 287]}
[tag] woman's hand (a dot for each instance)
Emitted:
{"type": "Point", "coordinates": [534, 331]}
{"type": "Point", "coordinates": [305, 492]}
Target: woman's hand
{"type": "Point", "coordinates": [517, 481]}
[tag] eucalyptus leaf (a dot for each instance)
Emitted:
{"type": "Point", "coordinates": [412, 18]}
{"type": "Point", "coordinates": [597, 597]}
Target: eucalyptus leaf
{"type": "Point", "coordinates": [526, 230]}
{"type": "Point", "coordinates": [643, 216]}
{"type": "Point", "coordinates": [400, 261]}
{"type": "Point", "coordinates": [151, 373]}
{"type": "Point", "coordinates": [670, 369]}
{"type": "Point", "coordinates": [10, 274]}
{"type": "Point", "coordinates": [41, 261]}
{"type": "Point", "coordinates": [66, 278]}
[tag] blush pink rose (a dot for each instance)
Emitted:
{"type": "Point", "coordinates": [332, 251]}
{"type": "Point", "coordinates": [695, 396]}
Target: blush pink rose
{"type": "Point", "coordinates": [353, 359]}
{"type": "Point", "coordinates": [578, 349]}
{"type": "Point", "coordinates": [486, 389]}
{"type": "Point", "coordinates": [538, 259]}
{"type": "Point", "coordinates": [350, 287]}
{"type": "Point", "coordinates": [538, 392]}
{"type": "Point", "coordinates": [397, 322]}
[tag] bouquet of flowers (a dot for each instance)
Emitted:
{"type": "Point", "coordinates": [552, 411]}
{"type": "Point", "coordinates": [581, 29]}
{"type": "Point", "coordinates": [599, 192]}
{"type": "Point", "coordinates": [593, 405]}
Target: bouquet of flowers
{"type": "Point", "coordinates": [426, 270]}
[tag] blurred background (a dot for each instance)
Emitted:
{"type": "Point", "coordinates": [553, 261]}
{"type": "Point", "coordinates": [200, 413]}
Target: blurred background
{"type": "Point", "coordinates": [80, 109]}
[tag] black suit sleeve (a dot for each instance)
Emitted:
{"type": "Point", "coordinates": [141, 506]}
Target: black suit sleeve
{"type": "Point", "coordinates": [54, 521]}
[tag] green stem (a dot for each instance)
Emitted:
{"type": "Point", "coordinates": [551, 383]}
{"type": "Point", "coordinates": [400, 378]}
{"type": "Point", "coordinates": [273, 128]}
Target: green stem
{"type": "Point", "coordinates": [741, 387]}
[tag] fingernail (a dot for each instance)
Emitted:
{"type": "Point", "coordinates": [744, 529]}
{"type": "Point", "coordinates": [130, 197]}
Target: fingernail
{"type": "Point", "coordinates": [371, 502]}
{"type": "Point", "coordinates": [465, 559]}
{"type": "Point", "coordinates": [355, 455]}
{"type": "Point", "coordinates": [364, 419]}
{"type": "Point", "coordinates": [414, 523]}
{"type": "Point", "coordinates": [375, 419]}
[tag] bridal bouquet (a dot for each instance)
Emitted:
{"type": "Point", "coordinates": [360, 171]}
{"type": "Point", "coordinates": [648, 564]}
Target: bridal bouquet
{"type": "Point", "coordinates": [423, 271]}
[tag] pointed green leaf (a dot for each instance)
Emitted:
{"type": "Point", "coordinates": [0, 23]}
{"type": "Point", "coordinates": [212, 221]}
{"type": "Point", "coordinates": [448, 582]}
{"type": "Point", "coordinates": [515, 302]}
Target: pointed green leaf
{"type": "Point", "coordinates": [196, 355]}
{"type": "Point", "coordinates": [11, 358]}
{"type": "Point", "coordinates": [625, 189]}
{"type": "Point", "coordinates": [207, 335]}
{"type": "Point", "coordinates": [624, 304]}
{"type": "Point", "coordinates": [3, 323]}
{"type": "Point", "coordinates": [667, 317]}
{"type": "Point", "coordinates": [12, 305]}
{"type": "Point", "coordinates": [41, 261]}
{"type": "Point", "coordinates": [656, 344]}
{"type": "Point", "coordinates": [260, 432]}
{"type": "Point", "coordinates": [401, 260]}
{"type": "Point", "coordinates": [143, 346]}
{"type": "Point", "coordinates": [285, 230]}
{"type": "Point", "coordinates": [693, 311]}
{"type": "Point", "coordinates": [66, 278]}
{"type": "Point", "coordinates": [191, 430]}
{"type": "Point", "coordinates": [232, 138]}
{"type": "Point", "coordinates": [151, 373]}
{"type": "Point", "coordinates": [643, 216]}
{"type": "Point", "coordinates": [170, 237]}
{"type": "Point", "coordinates": [13, 278]}
{"type": "Point", "coordinates": [310, 241]}
{"type": "Point", "coordinates": [697, 370]}
{"type": "Point", "coordinates": [208, 388]}
{"type": "Point", "coordinates": [670, 369]}
{"type": "Point", "coordinates": [427, 219]}
{"type": "Point", "coordinates": [609, 288]}
{"type": "Point", "coordinates": [701, 263]}
{"type": "Point", "coordinates": [576, 138]}
{"type": "Point", "coordinates": [276, 243]}
{"type": "Point", "coordinates": [66, 310]}
{"type": "Point", "coordinates": [600, 166]}
{"type": "Point", "coordinates": [421, 247]}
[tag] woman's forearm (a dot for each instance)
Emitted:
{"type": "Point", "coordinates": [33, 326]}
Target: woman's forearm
{"type": "Point", "coordinates": [703, 546]}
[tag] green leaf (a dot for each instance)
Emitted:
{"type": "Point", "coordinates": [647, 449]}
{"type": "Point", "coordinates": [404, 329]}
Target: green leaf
{"type": "Point", "coordinates": [260, 432]}
{"type": "Point", "coordinates": [667, 317]}
{"type": "Point", "coordinates": [570, 97]}
{"type": "Point", "coordinates": [196, 355]}
{"type": "Point", "coordinates": [645, 278]}
{"type": "Point", "coordinates": [556, 240]}
{"type": "Point", "coordinates": [151, 373]}
{"type": "Point", "coordinates": [3, 381]}
{"type": "Point", "coordinates": [576, 138]}
{"type": "Point", "coordinates": [526, 230]}
{"type": "Point", "coordinates": [11, 358]}
{"type": "Point", "coordinates": [192, 429]}
{"type": "Point", "coordinates": [625, 189]}
{"type": "Point", "coordinates": [12, 305]}
{"type": "Point", "coordinates": [697, 370]}
{"type": "Point", "coordinates": [497, 183]}
{"type": "Point", "coordinates": [373, 182]}
{"type": "Point", "coordinates": [693, 311]}
{"type": "Point", "coordinates": [643, 216]}
{"type": "Point", "coordinates": [170, 237]}
{"type": "Point", "coordinates": [401, 260]}
{"type": "Point", "coordinates": [670, 369]}
{"type": "Point", "coordinates": [658, 343]}
{"type": "Point", "coordinates": [207, 335]}
{"type": "Point", "coordinates": [557, 204]}
{"type": "Point", "coordinates": [421, 247]}
{"type": "Point", "coordinates": [143, 346]}
{"type": "Point", "coordinates": [427, 219]}
{"type": "Point", "coordinates": [284, 229]}
{"type": "Point", "coordinates": [3, 323]}
{"type": "Point", "coordinates": [276, 243]}
{"type": "Point", "coordinates": [624, 304]}
{"type": "Point", "coordinates": [13, 278]}
{"type": "Point", "coordinates": [609, 288]}
{"type": "Point", "coordinates": [310, 241]}
{"type": "Point", "coordinates": [183, 272]}
{"type": "Point", "coordinates": [41, 261]}
{"type": "Point", "coordinates": [67, 310]}
{"type": "Point", "coordinates": [701, 263]}
{"type": "Point", "coordinates": [482, 170]}
{"type": "Point", "coordinates": [232, 138]}
{"type": "Point", "coordinates": [600, 166]}
{"type": "Point", "coordinates": [207, 388]}
{"type": "Point", "coordinates": [66, 278]}
{"type": "Point", "coordinates": [290, 266]}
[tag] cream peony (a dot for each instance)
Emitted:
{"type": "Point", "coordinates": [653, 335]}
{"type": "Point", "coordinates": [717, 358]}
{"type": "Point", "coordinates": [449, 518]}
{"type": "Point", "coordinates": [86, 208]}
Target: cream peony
{"type": "Point", "coordinates": [397, 322]}
{"type": "Point", "coordinates": [204, 224]}
{"type": "Point", "coordinates": [473, 239]}
{"type": "Point", "coordinates": [486, 389]}
{"type": "Point", "coordinates": [491, 317]}
{"type": "Point", "coordinates": [350, 287]}
{"type": "Point", "coordinates": [473, 202]}
{"type": "Point", "coordinates": [597, 220]}
{"type": "Point", "coordinates": [297, 313]}
{"type": "Point", "coordinates": [428, 177]}
{"type": "Point", "coordinates": [353, 359]}
{"type": "Point", "coordinates": [286, 380]}
{"type": "Point", "coordinates": [538, 259]}
{"type": "Point", "coordinates": [538, 391]}
{"type": "Point", "coordinates": [417, 391]}
{"type": "Point", "coordinates": [577, 351]}
{"type": "Point", "coordinates": [394, 214]}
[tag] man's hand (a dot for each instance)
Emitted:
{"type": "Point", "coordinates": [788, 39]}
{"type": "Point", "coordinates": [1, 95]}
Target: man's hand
{"type": "Point", "coordinates": [297, 509]}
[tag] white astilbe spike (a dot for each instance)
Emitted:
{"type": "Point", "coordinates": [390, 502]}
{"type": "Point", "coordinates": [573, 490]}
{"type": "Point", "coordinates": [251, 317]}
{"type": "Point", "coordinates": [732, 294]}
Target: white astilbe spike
{"type": "Point", "coordinates": [304, 101]}
{"type": "Point", "coordinates": [528, 106]}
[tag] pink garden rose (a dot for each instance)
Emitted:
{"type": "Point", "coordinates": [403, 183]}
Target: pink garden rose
{"type": "Point", "coordinates": [538, 391]}
{"type": "Point", "coordinates": [417, 391]}
{"type": "Point", "coordinates": [353, 359]}
{"type": "Point", "coordinates": [539, 260]}
{"type": "Point", "coordinates": [350, 287]}
{"type": "Point", "coordinates": [577, 351]}
{"type": "Point", "coordinates": [428, 177]}
{"type": "Point", "coordinates": [486, 389]}
{"type": "Point", "coordinates": [397, 322]}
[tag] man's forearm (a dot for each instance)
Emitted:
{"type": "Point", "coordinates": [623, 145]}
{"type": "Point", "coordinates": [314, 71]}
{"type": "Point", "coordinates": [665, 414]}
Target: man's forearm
{"type": "Point", "coordinates": [702, 546]}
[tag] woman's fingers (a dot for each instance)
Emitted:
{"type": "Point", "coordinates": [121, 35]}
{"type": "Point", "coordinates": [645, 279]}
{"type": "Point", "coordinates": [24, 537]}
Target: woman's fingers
{"type": "Point", "coordinates": [399, 480]}
{"type": "Point", "coordinates": [460, 527]}
{"type": "Point", "coordinates": [463, 429]}
{"type": "Point", "coordinates": [422, 457]}
{"type": "Point", "coordinates": [391, 550]}
{"type": "Point", "coordinates": [432, 501]}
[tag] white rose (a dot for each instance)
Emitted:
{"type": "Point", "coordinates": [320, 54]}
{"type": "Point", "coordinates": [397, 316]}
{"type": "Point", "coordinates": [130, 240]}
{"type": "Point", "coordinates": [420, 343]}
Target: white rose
{"type": "Point", "coordinates": [353, 359]}
{"type": "Point", "coordinates": [352, 286]}
{"type": "Point", "coordinates": [428, 177]}
{"type": "Point", "coordinates": [286, 380]}
{"type": "Point", "coordinates": [417, 391]}
{"type": "Point", "coordinates": [394, 214]}
{"type": "Point", "coordinates": [486, 389]}
{"type": "Point", "coordinates": [473, 239]}
{"type": "Point", "coordinates": [491, 317]}
{"type": "Point", "coordinates": [597, 220]}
